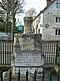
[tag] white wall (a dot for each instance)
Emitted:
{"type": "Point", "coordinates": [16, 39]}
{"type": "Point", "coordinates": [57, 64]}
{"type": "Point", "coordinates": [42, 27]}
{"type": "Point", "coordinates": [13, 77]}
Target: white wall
{"type": "Point", "coordinates": [49, 18]}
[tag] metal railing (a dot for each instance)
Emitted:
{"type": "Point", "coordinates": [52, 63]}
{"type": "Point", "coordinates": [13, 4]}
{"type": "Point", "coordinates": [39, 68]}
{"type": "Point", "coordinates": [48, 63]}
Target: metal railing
{"type": "Point", "coordinates": [49, 49]}
{"type": "Point", "coordinates": [45, 75]}
{"type": "Point", "coordinates": [6, 49]}
{"type": "Point", "coordinates": [58, 54]}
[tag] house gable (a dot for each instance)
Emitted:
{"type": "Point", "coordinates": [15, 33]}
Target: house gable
{"type": "Point", "coordinates": [49, 16]}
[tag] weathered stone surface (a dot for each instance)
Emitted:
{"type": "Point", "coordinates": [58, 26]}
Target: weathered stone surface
{"type": "Point", "coordinates": [28, 42]}
{"type": "Point", "coordinates": [29, 58]}
{"type": "Point", "coordinates": [28, 50]}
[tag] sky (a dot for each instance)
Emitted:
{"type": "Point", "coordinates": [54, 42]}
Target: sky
{"type": "Point", "coordinates": [37, 4]}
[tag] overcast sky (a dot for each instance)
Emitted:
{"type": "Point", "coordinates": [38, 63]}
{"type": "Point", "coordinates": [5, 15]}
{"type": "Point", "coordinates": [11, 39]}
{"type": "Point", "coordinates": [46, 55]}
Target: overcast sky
{"type": "Point", "coordinates": [37, 4]}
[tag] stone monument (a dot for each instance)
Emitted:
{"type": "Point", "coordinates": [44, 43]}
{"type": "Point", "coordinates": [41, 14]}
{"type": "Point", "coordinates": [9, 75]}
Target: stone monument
{"type": "Point", "coordinates": [27, 50]}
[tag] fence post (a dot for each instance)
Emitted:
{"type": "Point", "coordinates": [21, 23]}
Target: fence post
{"type": "Point", "coordinates": [35, 75]}
{"type": "Point", "coordinates": [43, 74]}
{"type": "Point", "coordinates": [56, 53]}
{"type": "Point", "coordinates": [58, 77]}
{"type": "Point", "coordinates": [10, 76]}
{"type": "Point", "coordinates": [27, 75]}
{"type": "Point", "coordinates": [19, 75]}
{"type": "Point", "coordinates": [51, 74]}
{"type": "Point", "coordinates": [1, 76]}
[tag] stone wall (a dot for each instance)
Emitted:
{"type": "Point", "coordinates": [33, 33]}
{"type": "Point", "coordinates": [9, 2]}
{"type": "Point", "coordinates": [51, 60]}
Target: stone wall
{"type": "Point", "coordinates": [49, 17]}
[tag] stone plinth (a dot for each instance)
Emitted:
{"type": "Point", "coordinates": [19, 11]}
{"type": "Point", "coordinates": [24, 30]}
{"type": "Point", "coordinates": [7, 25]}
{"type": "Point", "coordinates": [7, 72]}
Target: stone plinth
{"type": "Point", "coordinates": [28, 50]}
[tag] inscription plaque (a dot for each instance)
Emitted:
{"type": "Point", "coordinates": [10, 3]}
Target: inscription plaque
{"type": "Point", "coordinates": [29, 59]}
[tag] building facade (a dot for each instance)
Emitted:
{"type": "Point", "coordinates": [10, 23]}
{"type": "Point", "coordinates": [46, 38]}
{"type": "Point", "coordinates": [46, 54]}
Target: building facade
{"type": "Point", "coordinates": [47, 22]}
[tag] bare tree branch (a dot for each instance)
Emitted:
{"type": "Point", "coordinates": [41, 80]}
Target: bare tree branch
{"type": "Point", "coordinates": [1, 5]}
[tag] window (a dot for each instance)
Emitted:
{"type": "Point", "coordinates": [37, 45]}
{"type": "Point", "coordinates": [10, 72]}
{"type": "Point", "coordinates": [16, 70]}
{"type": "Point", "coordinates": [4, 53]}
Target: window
{"type": "Point", "coordinates": [57, 19]}
{"type": "Point", "coordinates": [39, 19]}
{"type": "Point", "coordinates": [57, 31]}
{"type": "Point", "coordinates": [33, 30]}
{"type": "Point", "coordinates": [57, 5]}
{"type": "Point", "coordinates": [38, 30]}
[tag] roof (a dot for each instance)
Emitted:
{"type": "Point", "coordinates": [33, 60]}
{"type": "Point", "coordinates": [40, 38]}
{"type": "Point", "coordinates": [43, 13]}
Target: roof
{"type": "Point", "coordinates": [44, 9]}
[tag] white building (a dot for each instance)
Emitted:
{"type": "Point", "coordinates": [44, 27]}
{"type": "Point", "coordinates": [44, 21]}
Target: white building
{"type": "Point", "coordinates": [47, 22]}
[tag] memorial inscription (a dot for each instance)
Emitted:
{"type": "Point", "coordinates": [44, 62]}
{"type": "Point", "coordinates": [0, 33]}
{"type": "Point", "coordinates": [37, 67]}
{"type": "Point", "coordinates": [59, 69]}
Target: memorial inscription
{"type": "Point", "coordinates": [29, 59]}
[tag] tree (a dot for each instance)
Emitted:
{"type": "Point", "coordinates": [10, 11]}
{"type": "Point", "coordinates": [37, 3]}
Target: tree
{"type": "Point", "coordinates": [2, 12]}
{"type": "Point", "coordinates": [2, 26]}
{"type": "Point", "coordinates": [12, 7]}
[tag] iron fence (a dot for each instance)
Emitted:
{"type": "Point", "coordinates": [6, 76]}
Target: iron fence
{"type": "Point", "coordinates": [58, 54]}
{"type": "Point", "coordinates": [49, 49]}
{"type": "Point", "coordinates": [45, 75]}
{"type": "Point", "coordinates": [6, 49]}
